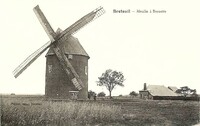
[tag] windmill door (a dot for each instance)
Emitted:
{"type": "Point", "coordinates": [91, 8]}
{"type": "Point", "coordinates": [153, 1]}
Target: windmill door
{"type": "Point", "coordinates": [73, 95]}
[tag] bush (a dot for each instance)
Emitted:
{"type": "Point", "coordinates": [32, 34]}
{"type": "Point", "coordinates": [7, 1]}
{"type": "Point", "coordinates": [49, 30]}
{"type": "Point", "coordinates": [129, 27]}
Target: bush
{"type": "Point", "coordinates": [133, 93]}
{"type": "Point", "coordinates": [101, 94]}
{"type": "Point", "coordinates": [91, 93]}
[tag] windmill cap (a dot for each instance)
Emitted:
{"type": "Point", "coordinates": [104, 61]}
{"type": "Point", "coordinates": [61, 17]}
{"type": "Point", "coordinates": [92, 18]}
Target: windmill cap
{"type": "Point", "coordinates": [70, 45]}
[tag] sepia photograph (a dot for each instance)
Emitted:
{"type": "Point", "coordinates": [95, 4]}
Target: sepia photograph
{"type": "Point", "coordinates": [100, 63]}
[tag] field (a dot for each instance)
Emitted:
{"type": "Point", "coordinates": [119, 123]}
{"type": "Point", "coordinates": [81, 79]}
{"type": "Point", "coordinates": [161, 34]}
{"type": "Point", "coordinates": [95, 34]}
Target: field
{"type": "Point", "coordinates": [36, 111]}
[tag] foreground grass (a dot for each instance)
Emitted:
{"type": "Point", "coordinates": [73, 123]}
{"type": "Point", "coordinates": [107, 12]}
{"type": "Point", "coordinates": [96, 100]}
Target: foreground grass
{"type": "Point", "coordinates": [35, 111]}
{"type": "Point", "coordinates": [59, 113]}
{"type": "Point", "coordinates": [162, 113]}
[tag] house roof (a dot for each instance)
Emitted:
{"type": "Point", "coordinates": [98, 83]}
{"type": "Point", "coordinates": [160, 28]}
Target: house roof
{"type": "Point", "coordinates": [173, 88]}
{"type": "Point", "coordinates": [160, 90]}
{"type": "Point", "coordinates": [70, 45]}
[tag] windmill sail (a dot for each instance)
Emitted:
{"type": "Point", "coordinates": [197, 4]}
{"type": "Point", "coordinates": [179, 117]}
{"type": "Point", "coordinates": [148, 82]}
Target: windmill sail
{"type": "Point", "coordinates": [68, 68]}
{"type": "Point", "coordinates": [83, 22]}
{"type": "Point", "coordinates": [30, 59]}
{"type": "Point", "coordinates": [44, 22]}
{"type": "Point", "coordinates": [55, 39]}
{"type": "Point", "coordinates": [71, 29]}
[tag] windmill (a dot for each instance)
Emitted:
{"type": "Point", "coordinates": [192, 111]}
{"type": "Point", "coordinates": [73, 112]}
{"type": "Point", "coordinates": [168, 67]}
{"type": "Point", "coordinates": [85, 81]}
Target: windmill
{"type": "Point", "coordinates": [66, 60]}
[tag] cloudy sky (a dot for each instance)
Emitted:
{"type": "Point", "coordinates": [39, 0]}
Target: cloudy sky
{"type": "Point", "coordinates": [152, 48]}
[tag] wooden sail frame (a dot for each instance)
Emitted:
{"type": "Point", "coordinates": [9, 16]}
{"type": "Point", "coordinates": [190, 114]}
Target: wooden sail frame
{"type": "Point", "coordinates": [55, 38]}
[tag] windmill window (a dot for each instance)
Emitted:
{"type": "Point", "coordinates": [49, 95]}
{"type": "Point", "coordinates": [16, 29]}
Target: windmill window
{"type": "Point", "coordinates": [86, 70]}
{"type": "Point", "coordinates": [50, 68]}
{"type": "Point", "coordinates": [70, 56]}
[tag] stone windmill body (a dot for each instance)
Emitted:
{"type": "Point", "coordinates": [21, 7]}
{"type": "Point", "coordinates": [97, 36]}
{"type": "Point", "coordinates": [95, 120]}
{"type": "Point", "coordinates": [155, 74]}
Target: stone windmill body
{"type": "Point", "coordinates": [57, 85]}
{"type": "Point", "coordinates": [66, 60]}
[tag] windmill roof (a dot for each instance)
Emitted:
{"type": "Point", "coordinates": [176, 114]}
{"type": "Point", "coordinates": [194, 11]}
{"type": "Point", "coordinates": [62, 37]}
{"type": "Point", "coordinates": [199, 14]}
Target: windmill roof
{"type": "Point", "coordinates": [160, 90]}
{"type": "Point", "coordinates": [70, 45]}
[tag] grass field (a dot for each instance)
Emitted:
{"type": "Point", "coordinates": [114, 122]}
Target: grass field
{"type": "Point", "coordinates": [35, 110]}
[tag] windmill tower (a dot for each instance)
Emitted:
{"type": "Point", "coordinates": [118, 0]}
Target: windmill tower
{"type": "Point", "coordinates": [57, 85]}
{"type": "Point", "coordinates": [66, 60]}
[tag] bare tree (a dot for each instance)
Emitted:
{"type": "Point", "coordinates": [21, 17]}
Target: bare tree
{"type": "Point", "coordinates": [110, 79]}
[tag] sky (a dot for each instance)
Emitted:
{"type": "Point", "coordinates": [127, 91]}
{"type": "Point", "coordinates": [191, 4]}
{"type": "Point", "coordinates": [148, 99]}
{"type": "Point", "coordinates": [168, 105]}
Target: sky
{"type": "Point", "coordinates": [152, 48]}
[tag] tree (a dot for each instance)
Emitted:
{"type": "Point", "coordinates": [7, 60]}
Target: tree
{"type": "Point", "coordinates": [101, 94]}
{"type": "Point", "coordinates": [186, 91]}
{"type": "Point", "coordinates": [110, 79]}
{"type": "Point", "coordinates": [133, 93]}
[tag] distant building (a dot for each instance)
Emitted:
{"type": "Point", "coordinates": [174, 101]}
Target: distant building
{"type": "Point", "coordinates": [156, 92]}
{"type": "Point", "coordinates": [160, 92]}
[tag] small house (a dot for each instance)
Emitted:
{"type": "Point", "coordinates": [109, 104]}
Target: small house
{"type": "Point", "coordinates": [157, 92]}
